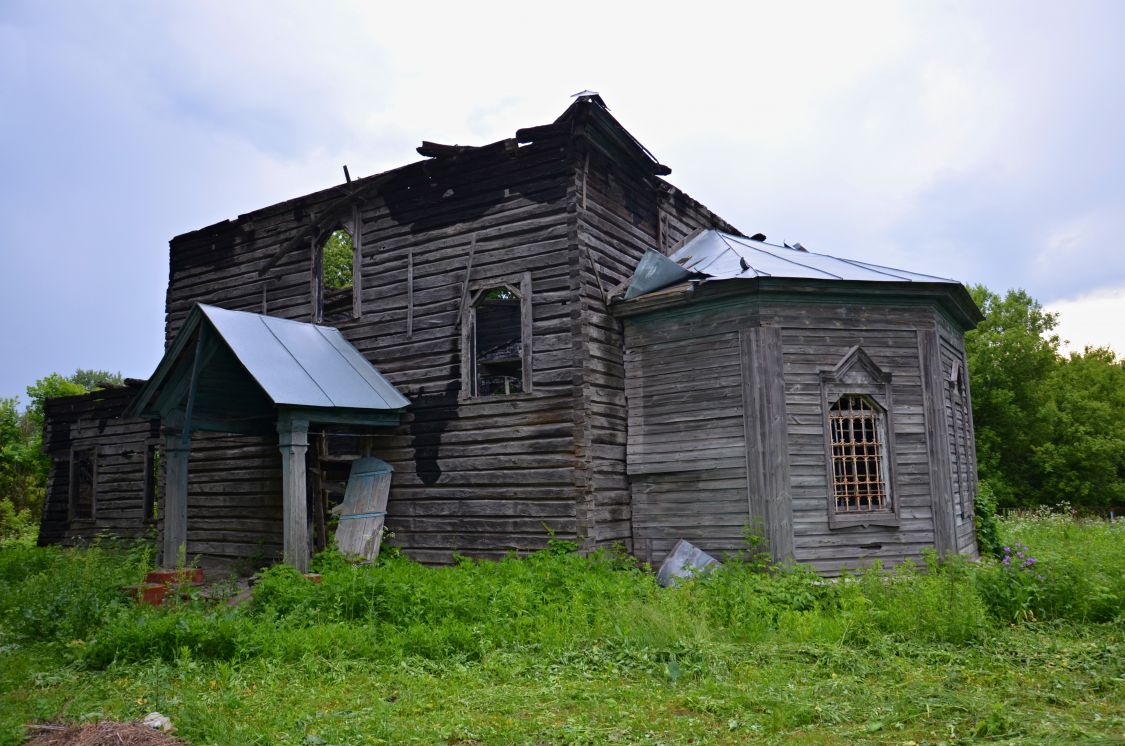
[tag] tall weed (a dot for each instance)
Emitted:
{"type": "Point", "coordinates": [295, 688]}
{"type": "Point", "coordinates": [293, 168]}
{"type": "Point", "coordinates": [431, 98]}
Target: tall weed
{"type": "Point", "coordinates": [57, 594]}
{"type": "Point", "coordinates": [556, 607]}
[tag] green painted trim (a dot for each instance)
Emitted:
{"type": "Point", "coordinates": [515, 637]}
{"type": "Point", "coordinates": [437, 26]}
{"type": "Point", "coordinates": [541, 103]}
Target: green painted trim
{"type": "Point", "coordinates": [760, 293]}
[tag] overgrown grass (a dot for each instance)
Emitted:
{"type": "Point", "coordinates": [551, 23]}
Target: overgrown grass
{"type": "Point", "coordinates": [557, 648]}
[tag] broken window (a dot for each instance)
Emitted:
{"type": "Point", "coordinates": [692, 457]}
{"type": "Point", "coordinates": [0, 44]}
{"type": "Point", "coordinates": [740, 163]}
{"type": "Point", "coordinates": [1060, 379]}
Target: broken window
{"type": "Point", "coordinates": [82, 484]}
{"type": "Point", "coordinates": [499, 349]}
{"type": "Point", "coordinates": [497, 340]}
{"type": "Point", "coordinates": [859, 484]}
{"type": "Point", "coordinates": [337, 257]}
{"type": "Point", "coordinates": [337, 268]}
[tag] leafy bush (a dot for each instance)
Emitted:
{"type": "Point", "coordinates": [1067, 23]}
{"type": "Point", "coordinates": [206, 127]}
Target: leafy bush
{"type": "Point", "coordinates": [558, 608]}
{"type": "Point", "coordinates": [937, 605]}
{"type": "Point", "coordinates": [1057, 566]}
{"type": "Point", "coordinates": [59, 595]}
{"type": "Point", "coordinates": [987, 522]}
{"type": "Point", "coordinates": [143, 633]}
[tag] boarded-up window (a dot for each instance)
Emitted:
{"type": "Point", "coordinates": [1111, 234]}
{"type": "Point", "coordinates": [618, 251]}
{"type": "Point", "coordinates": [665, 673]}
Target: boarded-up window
{"type": "Point", "coordinates": [82, 483]}
{"type": "Point", "coordinates": [859, 483]}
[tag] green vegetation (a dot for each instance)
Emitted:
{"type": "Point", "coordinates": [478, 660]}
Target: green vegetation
{"type": "Point", "coordinates": [338, 260]}
{"type": "Point", "coordinates": [23, 465]}
{"type": "Point", "coordinates": [556, 648]}
{"type": "Point", "coordinates": [1049, 428]}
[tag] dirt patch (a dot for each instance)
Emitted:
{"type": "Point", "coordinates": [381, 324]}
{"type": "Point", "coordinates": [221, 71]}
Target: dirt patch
{"type": "Point", "coordinates": [104, 733]}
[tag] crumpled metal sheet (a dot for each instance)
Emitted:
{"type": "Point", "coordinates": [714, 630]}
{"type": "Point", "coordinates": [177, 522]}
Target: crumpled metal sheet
{"type": "Point", "coordinates": [715, 255]}
{"type": "Point", "coordinates": [684, 561]}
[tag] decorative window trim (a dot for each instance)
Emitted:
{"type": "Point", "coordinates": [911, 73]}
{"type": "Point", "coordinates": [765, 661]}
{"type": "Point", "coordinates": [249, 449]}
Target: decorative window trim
{"type": "Point", "coordinates": [72, 486]}
{"type": "Point", "coordinates": [857, 375]}
{"type": "Point", "coordinates": [520, 284]}
{"type": "Point", "coordinates": [960, 440]}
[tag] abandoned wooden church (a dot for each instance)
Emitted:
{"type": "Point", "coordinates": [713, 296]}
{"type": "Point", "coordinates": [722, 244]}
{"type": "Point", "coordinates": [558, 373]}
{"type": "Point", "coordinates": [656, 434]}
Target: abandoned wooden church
{"type": "Point", "coordinates": [540, 336]}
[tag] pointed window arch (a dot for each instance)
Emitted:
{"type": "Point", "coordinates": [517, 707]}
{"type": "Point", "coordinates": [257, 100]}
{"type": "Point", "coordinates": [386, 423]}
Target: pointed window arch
{"type": "Point", "coordinates": [336, 281]}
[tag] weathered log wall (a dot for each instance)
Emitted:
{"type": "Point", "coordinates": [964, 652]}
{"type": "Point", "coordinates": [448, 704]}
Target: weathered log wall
{"type": "Point", "coordinates": [479, 476]}
{"type": "Point", "coordinates": [958, 409]}
{"type": "Point", "coordinates": [119, 445]}
{"type": "Point", "coordinates": [621, 211]}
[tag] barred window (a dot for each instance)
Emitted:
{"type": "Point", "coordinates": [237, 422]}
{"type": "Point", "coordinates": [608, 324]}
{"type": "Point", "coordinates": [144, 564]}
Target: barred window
{"type": "Point", "coordinates": [858, 442]}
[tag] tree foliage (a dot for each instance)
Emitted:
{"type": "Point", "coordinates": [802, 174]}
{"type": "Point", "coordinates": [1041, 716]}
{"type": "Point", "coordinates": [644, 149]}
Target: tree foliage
{"type": "Point", "coordinates": [338, 260]}
{"type": "Point", "coordinates": [23, 465]}
{"type": "Point", "coordinates": [1049, 428]}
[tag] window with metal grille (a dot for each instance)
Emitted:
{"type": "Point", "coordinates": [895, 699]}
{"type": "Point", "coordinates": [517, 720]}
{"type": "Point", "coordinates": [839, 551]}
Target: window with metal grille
{"type": "Point", "coordinates": [859, 482]}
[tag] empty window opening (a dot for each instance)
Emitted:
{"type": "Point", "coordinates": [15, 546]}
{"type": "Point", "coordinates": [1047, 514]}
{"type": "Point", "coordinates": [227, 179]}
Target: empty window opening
{"type": "Point", "coordinates": [82, 484]}
{"type": "Point", "coordinates": [498, 343]}
{"type": "Point", "coordinates": [858, 441]}
{"type": "Point", "coordinates": [337, 265]}
{"type": "Point", "coordinates": [333, 285]}
{"type": "Point", "coordinates": [152, 484]}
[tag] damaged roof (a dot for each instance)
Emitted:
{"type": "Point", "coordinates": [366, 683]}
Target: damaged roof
{"type": "Point", "coordinates": [715, 255]}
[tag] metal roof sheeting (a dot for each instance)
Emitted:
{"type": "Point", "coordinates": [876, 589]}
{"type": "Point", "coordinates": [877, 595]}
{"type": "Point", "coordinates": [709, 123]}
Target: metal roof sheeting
{"type": "Point", "coordinates": [304, 365]}
{"type": "Point", "coordinates": [715, 255]}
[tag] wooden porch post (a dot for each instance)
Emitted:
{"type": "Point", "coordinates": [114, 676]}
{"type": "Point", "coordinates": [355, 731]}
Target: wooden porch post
{"type": "Point", "coordinates": [293, 441]}
{"type": "Point", "coordinates": [177, 449]}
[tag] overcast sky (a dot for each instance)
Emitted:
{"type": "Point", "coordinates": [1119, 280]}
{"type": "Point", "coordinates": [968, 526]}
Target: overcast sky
{"type": "Point", "coordinates": [982, 141]}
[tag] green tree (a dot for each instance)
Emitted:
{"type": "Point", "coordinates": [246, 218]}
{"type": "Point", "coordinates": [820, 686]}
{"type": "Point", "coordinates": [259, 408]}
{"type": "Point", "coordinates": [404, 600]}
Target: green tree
{"type": "Point", "coordinates": [1082, 459]}
{"type": "Point", "coordinates": [1049, 428]}
{"type": "Point", "coordinates": [338, 260]}
{"type": "Point", "coordinates": [1011, 357]}
{"type": "Point", "coordinates": [23, 465]}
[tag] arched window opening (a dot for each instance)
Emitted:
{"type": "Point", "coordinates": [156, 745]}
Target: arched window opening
{"type": "Point", "coordinates": [336, 262]}
{"type": "Point", "coordinates": [498, 343]}
{"type": "Point", "coordinates": [858, 439]}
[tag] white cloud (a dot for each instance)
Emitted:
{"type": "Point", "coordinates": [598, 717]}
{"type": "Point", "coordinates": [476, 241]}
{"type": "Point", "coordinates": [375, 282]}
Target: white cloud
{"type": "Point", "coordinates": [1095, 319]}
{"type": "Point", "coordinates": [976, 141]}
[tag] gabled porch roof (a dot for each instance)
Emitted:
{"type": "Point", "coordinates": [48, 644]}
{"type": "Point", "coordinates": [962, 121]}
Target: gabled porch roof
{"type": "Point", "coordinates": [241, 370]}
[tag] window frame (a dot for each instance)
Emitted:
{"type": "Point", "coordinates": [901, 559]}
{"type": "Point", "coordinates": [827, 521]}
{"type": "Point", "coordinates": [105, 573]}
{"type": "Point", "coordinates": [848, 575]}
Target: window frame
{"type": "Point", "coordinates": [520, 285]}
{"type": "Point", "coordinates": [151, 498]}
{"type": "Point", "coordinates": [353, 226]}
{"type": "Point", "coordinates": [959, 442]}
{"type": "Point", "coordinates": [72, 485]}
{"type": "Point", "coordinates": [857, 375]}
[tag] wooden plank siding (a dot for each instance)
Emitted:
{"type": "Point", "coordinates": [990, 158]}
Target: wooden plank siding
{"type": "Point", "coordinates": [699, 416]}
{"type": "Point", "coordinates": [687, 445]}
{"type": "Point", "coordinates": [669, 354]}
{"type": "Point", "coordinates": [958, 410]}
{"type": "Point", "coordinates": [478, 476]}
{"type": "Point", "coordinates": [620, 212]}
{"type": "Point", "coordinates": [815, 338]}
{"type": "Point", "coordinates": [119, 445]}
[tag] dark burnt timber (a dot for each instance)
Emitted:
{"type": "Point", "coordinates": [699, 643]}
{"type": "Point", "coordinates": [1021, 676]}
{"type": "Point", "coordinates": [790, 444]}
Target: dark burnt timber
{"type": "Point", "coordinates": [482, 284]}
